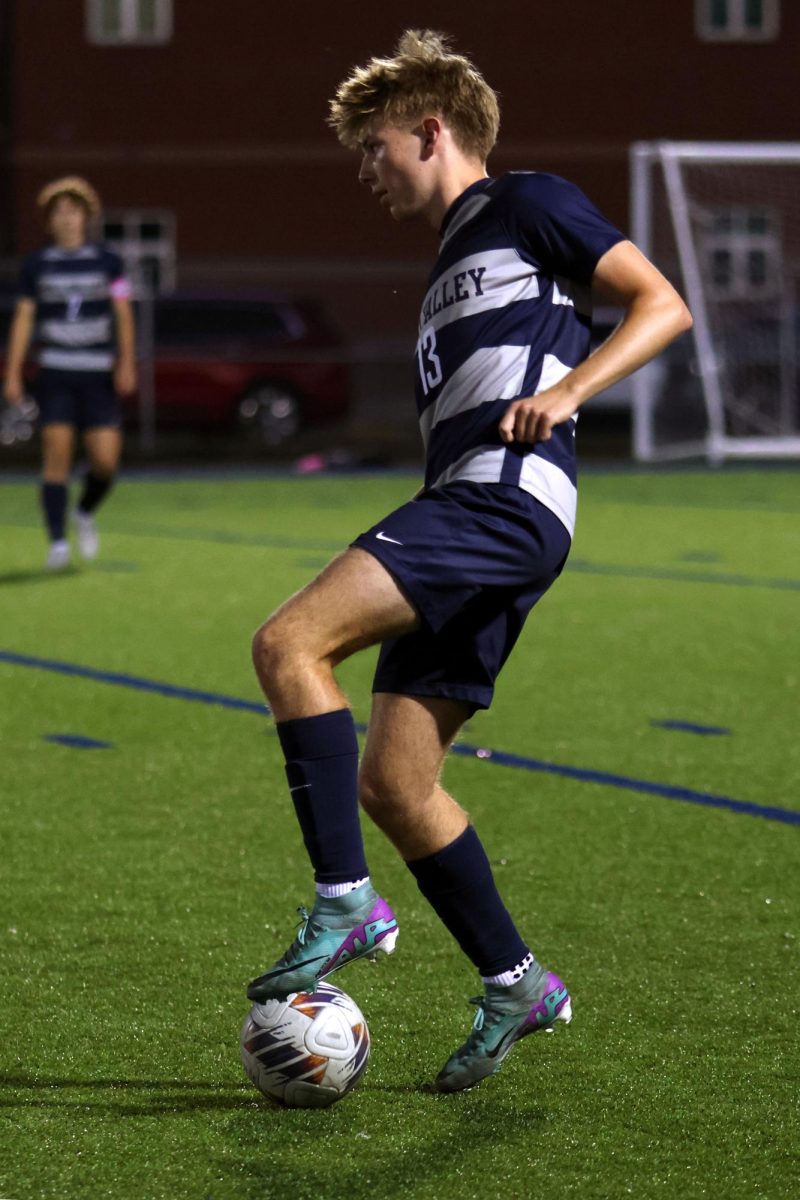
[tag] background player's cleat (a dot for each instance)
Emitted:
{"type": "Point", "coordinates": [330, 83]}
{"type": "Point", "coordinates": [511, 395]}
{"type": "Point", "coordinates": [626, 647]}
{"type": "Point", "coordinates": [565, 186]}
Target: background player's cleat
{"type": "Point", "coordinates": [58, 555]}
{"type": "Point", "coordinates": [505, 1014]}
{"type": "Point", "coordinates": [335, 932]}
{"type": "Point", "coordinates": [88, 537]}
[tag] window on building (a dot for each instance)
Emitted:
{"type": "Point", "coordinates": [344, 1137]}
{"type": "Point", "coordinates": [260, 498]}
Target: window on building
{"type": "Point", "coordinates": [145, 240]}
{"type": "Point", "coordinates": [737, 20]}
{"type": "Point", "coordinates": [129, 22]}
{"type": "Point", "coordinates": [741, 249]}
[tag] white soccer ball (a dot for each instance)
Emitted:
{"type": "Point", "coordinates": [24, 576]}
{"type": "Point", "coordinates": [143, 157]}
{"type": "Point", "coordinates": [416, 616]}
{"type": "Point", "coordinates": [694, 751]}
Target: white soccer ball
{"type": "Point", "coordinates": [306, 1051]}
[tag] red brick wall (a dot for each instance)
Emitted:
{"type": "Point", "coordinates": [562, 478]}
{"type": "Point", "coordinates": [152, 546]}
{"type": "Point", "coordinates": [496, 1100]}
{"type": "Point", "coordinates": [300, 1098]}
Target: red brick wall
{"type": "Point", "coordinates": [225, 125]}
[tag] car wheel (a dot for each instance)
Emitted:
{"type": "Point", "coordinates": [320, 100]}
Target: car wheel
{"type": "Point", "coordinates": [269, 413]}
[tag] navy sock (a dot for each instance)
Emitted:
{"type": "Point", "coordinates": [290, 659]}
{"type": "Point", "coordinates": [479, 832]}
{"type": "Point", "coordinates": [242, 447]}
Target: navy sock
{"type": "Point", "coordinates": [322, 768]}
{"type": "Point", "coordinates": [54, 504]}
{"type": "Point", "coordinates": [457, 881]}
{"type": "Point", "coordinates": [95, 488]}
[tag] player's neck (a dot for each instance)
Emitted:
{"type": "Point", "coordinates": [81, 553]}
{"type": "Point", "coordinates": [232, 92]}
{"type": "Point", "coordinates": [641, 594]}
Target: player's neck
{"type": "Point", "coordinates": [69, 243]}
{"type": "Point", "coordinates": [453, 185]}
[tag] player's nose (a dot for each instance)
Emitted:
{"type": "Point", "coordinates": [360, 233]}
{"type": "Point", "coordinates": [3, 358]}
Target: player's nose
{"type": "Point", "coordinates": [365, 172]}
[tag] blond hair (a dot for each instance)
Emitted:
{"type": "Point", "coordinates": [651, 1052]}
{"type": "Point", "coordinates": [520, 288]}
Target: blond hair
{"type": "Point", "coordinates": [76, 188]}
{"type": "Point", "coordinates": [422, 79]}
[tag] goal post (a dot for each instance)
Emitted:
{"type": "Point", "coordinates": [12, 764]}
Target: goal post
{"type": "Point", "coordinates": [722, 221]}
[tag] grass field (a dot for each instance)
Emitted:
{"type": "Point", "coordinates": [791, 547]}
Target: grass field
{"type": "Point", "coordinates": [640, 804]}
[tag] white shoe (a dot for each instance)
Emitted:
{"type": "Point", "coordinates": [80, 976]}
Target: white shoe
{"type": "Point", "coordinates": [58, 555]}
{"type": "Point", "coordinates": [88, 537]}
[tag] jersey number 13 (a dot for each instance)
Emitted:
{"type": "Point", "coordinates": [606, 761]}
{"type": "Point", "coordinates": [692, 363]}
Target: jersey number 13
{"type": "Point", "coordinates": [430, 367]}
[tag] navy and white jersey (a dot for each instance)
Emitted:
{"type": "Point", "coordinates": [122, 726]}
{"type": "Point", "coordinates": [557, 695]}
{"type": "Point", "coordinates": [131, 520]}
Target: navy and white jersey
{"type": "Point", "coordinates": [73, 291]}
{"type": "Point", "coordinates": [507, 314]}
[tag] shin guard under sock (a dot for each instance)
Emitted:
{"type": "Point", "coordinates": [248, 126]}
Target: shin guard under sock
{"type": "Point", "coordinates": [457, 881]}
{"type": "Point", "coordinates": [95, 489]}
{"type": "Point", "coordinates": [54, 506]}
{"type": "Point", "coordinates": [322, 768]}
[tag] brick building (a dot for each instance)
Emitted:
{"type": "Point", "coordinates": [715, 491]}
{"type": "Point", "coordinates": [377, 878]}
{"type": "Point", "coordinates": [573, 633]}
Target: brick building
{"type": "Point", "coordinates": [203, 125]}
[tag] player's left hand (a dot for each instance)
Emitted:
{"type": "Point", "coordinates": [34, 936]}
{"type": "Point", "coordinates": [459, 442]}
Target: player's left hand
{"type": "Point", "coordinates": [532, 418]}
{"type": "Point", "coordinates": [125, 381]}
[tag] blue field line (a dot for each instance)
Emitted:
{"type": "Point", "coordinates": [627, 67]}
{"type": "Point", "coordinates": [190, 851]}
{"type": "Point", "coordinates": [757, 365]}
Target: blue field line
{"type": "Point", "coordinates": [217, 537]}
{"type": "Point", "coordinates": [222, 537]}
{"type": "Point", "coordinates": [692, 727]}
{"type": "Point", "coordinates": [625, 571]}
{"type": "Point", "coordinates": [498, 757]}
{"type": "Point", "coordinates": [784, 815]}
{"type": "Point", "coordinates": [133, 681]}
{"type": "Point", "coordinates": [77, 741]}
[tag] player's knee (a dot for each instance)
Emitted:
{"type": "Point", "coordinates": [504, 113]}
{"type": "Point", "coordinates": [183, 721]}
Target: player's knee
{"type": "Point", "coordinates": [56, 466]}
{"type": "Point", "coordinates": [273, 650]}
{"type": "Point", "coordinates": [376, 792]}
{"type": "Point", "coordinates": [265, 648]}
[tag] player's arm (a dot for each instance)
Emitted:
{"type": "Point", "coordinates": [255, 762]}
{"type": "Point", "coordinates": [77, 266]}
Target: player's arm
{"type": "Point", "coordinates": [654, 315]}
{"type": "Point", "coordinates": [19, 340]}
{"type": "Point", "coordinates": [125, 368]}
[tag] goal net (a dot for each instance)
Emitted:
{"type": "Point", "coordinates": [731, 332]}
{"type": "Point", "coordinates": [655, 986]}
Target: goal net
{"type": "Point", "coordinates": [722, 221]}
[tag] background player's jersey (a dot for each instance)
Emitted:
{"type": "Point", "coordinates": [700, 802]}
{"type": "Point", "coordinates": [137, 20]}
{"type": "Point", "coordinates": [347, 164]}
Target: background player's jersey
{"type": "Point", "coordinates": [507, 314]}
{"type": "Point", "coordinates": [73, 290]}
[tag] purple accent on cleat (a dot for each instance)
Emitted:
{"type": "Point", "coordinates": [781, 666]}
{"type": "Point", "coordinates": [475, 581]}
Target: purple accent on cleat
{"type": "Point", "coordinates": [365, 938]}
{"type": "Point", "coordinates": [348, 937]}
{"type": "Point", "coordinates": [545, 1011]}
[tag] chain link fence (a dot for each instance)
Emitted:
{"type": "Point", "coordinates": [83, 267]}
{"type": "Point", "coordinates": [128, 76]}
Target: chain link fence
{"type": "Point", "coordinates": [282, 361]}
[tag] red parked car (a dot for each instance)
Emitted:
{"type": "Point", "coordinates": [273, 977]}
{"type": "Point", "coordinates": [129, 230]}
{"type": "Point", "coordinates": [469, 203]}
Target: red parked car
{"type": "Point", "coordinates": [260, 364]}
{"type": "Point", "coordinates": [264, 364]}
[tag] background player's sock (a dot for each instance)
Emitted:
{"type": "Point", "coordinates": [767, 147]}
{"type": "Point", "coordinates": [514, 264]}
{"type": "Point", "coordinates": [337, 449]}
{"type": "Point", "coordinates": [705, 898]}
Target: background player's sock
{"type": "Point", "coordinates": [95, 489]}
{"type": "Point", "coordinates": [322, 768]}
{"type": "Point", "coordinates": [457, 881]}
{"type": "Point", "coordinates": [54, 504]}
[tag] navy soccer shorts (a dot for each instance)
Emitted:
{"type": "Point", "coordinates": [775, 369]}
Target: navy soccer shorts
{"type": "Point", "coordinates": [473, 559]}
{"type": "Point", "coordinates": [84, 399]}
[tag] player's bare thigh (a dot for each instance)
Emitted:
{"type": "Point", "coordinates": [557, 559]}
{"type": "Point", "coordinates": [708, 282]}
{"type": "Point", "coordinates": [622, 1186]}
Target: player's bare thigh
{"type": "Point", "coordinates": [353, 603]}
{"type": "Point", "coordinates": [407, 741]}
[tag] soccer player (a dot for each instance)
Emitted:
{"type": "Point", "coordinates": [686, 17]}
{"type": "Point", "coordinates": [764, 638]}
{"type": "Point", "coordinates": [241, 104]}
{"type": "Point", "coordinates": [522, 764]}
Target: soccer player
{"type": "Point", "coordinates": [75, 300]}
{"type": "Point", "coordinates": [446, 581]}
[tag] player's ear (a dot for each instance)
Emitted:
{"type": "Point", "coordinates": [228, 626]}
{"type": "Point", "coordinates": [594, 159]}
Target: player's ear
{"type": "Point", "coordinates": [431, 131]}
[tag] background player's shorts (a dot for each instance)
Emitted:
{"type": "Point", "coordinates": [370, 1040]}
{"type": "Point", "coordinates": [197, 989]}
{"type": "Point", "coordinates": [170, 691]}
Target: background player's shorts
{"type": "Point", "coordinates": [85, 399]}
{"type": "Point", "coordinates": [473, 559]}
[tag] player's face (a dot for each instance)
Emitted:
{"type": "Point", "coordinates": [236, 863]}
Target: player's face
{"type": "Point", "coordinates": [395, 169]}
{"type": "Point", "coordinates": [68, 222]}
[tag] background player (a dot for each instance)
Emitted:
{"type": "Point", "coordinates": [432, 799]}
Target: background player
{"type": "Point", "coordinates": [75, 300]}
{"type": "Point", "coordinates": [446, 581]}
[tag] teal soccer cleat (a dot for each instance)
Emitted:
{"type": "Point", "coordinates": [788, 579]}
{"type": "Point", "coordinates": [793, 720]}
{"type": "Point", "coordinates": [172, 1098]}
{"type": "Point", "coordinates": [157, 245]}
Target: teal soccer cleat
{"type": "Point", "coordinates": [335, 933]}
{"type": "Point", "coordinates": [505, 1014]}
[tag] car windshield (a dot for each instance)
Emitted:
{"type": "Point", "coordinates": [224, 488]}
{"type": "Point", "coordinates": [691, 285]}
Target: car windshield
{"type": "Point", "coordinates": [198, 323]}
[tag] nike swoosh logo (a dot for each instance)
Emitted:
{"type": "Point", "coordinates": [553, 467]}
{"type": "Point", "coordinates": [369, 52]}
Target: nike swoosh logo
{"type": "Point", "coordinates": [297, 966]}
{"type": "Point", "coordinates": [383, 538]}
{"type": "Point", "coordinates": [501, 1045]}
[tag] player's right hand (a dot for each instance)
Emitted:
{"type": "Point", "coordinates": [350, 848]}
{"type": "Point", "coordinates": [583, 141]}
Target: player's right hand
{"type": "Point", "coordinates": [532, 418]}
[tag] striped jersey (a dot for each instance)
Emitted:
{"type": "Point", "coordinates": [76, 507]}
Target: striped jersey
{"type": "Point", "coordinates": [73, 291]}
{"type": "Point", "coordinates": [507, 314]}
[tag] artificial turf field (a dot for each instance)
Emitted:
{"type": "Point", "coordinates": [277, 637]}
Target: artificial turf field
{"type": "Point", "coordinates": [640, 805]}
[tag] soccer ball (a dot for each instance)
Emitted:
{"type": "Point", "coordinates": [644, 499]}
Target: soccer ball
{"type": "Point", "coordinates": [308, 1050]}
